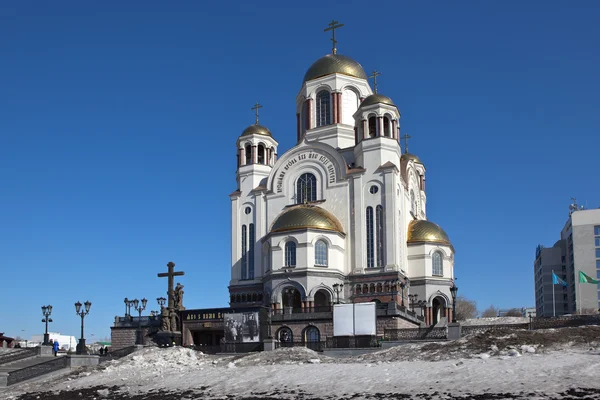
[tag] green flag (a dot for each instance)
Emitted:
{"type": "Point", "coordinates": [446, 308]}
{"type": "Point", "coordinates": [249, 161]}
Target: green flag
{"type": "Point", "coordinates": [583, 278]}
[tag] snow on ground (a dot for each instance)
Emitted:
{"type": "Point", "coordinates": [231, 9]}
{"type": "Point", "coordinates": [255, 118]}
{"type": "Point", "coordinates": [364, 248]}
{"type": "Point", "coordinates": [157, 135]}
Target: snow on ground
{"type": "Point", "coordinates": [524, 364]}
{"type": "Point", "coordinates": [495, 321]}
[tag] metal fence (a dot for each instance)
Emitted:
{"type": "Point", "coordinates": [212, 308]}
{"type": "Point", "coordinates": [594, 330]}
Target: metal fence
{"type": "Point", "coordinates": [18, 354]}
{"type": "Point", "coordinates": [36, 370]}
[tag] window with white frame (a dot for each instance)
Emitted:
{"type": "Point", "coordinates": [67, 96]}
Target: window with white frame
{"type": "Point", "coordinates": [370, 242]}
{"type": "Point", "coordinates": [321, 253]}
{"type": "Point", "coordinates": [379, 221]}
{"type": "Point", "coordinates": [437, 264]}
{"type": "Point", "coordinates": [290, 254]}
{"type": "Point", "coordinates": [323, 108]}
{"type": "Point", "coordinates": [306, 188]}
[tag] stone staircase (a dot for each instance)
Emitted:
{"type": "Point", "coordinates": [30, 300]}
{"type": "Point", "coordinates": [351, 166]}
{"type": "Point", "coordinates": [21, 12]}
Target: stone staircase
{"type": "Point", "coordinates": [22, 365]}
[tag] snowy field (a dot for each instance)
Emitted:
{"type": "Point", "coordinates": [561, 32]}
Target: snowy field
{"type": "Point", "coordinates": [551, 364]}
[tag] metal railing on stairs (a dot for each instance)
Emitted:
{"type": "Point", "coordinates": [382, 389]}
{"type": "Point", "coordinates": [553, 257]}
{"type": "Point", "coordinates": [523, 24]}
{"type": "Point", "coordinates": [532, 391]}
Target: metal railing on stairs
{"type": "Point", "coordinates": [36, 370]}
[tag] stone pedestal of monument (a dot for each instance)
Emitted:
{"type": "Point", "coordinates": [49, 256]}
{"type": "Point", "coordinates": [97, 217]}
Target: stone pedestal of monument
{"type": "Point", "coordinates": [168, 338]}
{"type": "Point", "coordinates": [454, 331]}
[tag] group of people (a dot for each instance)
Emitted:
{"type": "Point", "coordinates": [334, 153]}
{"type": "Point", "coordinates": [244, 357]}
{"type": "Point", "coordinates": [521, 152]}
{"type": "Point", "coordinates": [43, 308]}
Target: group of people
{"type": "Point", "coordinates": [103, 350]}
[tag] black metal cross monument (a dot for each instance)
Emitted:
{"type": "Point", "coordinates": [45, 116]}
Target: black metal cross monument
{"type": "Point", "coordinates": [170, 274]}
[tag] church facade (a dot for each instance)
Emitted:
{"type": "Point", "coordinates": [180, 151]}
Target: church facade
{"type": "Point", "coordinates": [339, 218]}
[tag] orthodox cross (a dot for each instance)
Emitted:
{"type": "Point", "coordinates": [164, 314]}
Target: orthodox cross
{"type": "Point", "coordinates": [405, 138]}
{"type": "Point", "coordinates": [333, 25]}
{"type": "Point", "coordinates": [255, 108]}
{"type": "Point", "coordinates": [170, 274]}
{"type": "Point", "coordinates": [374, 75]}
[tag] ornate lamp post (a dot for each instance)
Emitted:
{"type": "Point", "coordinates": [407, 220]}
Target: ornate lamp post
{"type": "Point", "coordinates": [82, 313]}
{"type": "Point", "coordinates": [421, 304]}
{"type": "Point", "coordinates": [453, 290]}
{"type": "Point", "coordinates": [139, 307]}
{"type": "Point", "coordinates": [161, 301]}
{"type": "Point", "coordinates": [46, 311]}
{"type": "Point", "coordinates": [337, 288]}
{"type": "Point", "coordinates": [412, 298]}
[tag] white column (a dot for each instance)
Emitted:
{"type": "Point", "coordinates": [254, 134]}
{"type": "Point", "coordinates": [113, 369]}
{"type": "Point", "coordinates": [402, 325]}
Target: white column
{"type": "Point", "coordinates": [358, 245]}
{"type": "Point", "coordinates": [235, 240]}
{"type": "Point", "coordinates": [391, 227]}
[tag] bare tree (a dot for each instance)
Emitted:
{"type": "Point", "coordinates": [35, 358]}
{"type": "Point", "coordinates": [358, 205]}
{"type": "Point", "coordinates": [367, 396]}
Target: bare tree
{"type": "Point", "coordinates": [465, 308]}
{"type": "Point", "coordinates": [514, 312]}
{"type": "Point", "coordinates": [490, 312]}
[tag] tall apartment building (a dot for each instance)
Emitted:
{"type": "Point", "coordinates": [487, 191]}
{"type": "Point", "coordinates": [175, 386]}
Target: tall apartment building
{"type": "Point", "coordinates": [577, 250]}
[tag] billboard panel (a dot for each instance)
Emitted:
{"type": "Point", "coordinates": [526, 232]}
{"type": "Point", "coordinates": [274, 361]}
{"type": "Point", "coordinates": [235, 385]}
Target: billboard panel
{"type": "Point", "coordinates": [343, 320]}
{"type": "Point", "coordinates": [242, 327]}
{"type": "Point", "coordinates": [365, 319]}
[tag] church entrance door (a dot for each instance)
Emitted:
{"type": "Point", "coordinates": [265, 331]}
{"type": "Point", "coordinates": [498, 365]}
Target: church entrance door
{"type": "Point", "coordinates": [438, 306]}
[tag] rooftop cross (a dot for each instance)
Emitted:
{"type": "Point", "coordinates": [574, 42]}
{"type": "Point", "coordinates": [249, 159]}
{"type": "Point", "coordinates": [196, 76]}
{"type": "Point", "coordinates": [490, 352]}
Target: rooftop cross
{"type": "Point", "coordinates": [170, 274]}
{"type": "Point", "coordinates": [374, 75]}
{"type": "Point", "coordinates": [255, 108]}
{"type": "Point", "coordinates": [405, 138]}
{"type": "Point", "coordinates": [333, 25]}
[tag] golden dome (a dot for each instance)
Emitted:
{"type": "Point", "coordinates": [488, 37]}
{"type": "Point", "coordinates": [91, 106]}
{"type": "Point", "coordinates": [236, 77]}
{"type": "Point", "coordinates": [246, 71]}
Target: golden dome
{"type": "Point", "coordinates": [305, 216]}
{"type": "Point", "coordinates": [408, 157]}
{"type": "Point", "coordinates": [256, 129]}
{"type": "Point", "coordinates": [334, 64]}
{"type": "Point", "coordinates": [377, 99]}
{"type": "Point", "coordinates": [420, 231]}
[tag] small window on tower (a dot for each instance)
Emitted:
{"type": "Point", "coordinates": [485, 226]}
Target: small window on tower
{"type": "Point", "coordinates": [373, 189]}
{"type": "Point", "coordinates": [248, 210]}
{"type": "Point", "coordinates": [261, 154]}
{"type": "Point", "coordinates": [372, 127]}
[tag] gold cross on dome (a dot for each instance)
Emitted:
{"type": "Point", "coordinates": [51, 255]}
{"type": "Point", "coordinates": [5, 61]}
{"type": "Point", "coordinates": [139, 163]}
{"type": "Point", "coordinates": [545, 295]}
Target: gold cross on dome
{"type": "Point", "coordinates": [333, 25]}
{"type": "Point", "coordinates": [255, 108]}
{"type": "Point", "coordinates": [405, 138]}
{"type": "Point", "coordinates": [374, 75]}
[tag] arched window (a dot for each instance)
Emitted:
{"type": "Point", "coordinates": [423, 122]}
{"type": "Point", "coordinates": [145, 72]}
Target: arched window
{"type": "Point", "coordinates": [386, 127]}
{"type": "Point", "coordinates": [311, 336]}
{"type": "Point", "coordinates": [285, 335]}
{"type": "Point", "coordinates": [438, 264]}
{"type": "Point", "coordinates": [372, 127]}
{"type": "Point", "coordinates": [321, 253]}
{"type": "Point", "coordinates": [261, 154]}
{"type": "Point", "coordinates": [251, 253]}
{"type": "Point", "coordinates": [370, 244]}
{"type": "Point", "coordinates": [413, 203]}
{"type": "Point", "coordinates": [248, 154]}
{"type": "Point", "coordinates": [306, 188]}
{"type": "Point", "coordinates": [349, 106]}
{"type": "Point", "coordinates": [290, 254]}
{"type": "Point", "coordinates": [365, 288]}
{"type": "Point", "coordinates": [323, 108]}
{"type": "Point", "coordinates": [244, 247]}
{"type": "Point", "coordinates": [379, 220]}
{"type": "Point", "coordinates": [358, 289]}
{"type": "Point", "coordinates": [379, 288]}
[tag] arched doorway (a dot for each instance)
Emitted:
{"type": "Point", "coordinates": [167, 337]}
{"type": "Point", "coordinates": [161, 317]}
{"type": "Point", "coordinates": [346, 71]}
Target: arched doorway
{"type": "Point", "coordinates": [312, 338]}
{"type": "Point", "coordinates": [322, 301]}
{"type": "Point", "coordinates": [438, 310]}
{"type": "Point", "coordinates": [285, 336]}
{"type": "Point", "coordinates": [292, 300]}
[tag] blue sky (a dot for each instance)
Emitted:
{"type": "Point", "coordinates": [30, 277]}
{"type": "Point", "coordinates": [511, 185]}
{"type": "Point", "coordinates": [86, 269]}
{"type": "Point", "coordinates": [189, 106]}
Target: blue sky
{"type": "Point", "coordinates": [118, 123]}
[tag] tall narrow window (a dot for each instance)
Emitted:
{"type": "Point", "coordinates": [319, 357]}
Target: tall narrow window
{"type": "Point", "coordinates": [386, 127]}
{"type": "Point", "coordinates": [306, 188]}
{"type": "Point", "coordinates": [248, 154]}
{"type": "Point", "coordinates": [370, 258]}
{"type": "Point", "coordinates": [261, 154]}
{"type": "Point", "coordinates": [372, 127]}
{"type": "Point", "coordinates": [321, 253]}
{"type": "Point", "coordinates": [413, 203]}
{"type": "Point", "coordinates": [323, 108]}
{"type": "Point", "coordinates": [438, 267]}
{"type": "Point", "coordinates": [244, 247]}
{"type": "Point", "coordinates": [379, 218]}
{"type": "Point", "coordinates": [251, 253]}
{"type": "Point", "coordinates": [267, 256]}
{"type": "Point", "coordinates": [290, 254]}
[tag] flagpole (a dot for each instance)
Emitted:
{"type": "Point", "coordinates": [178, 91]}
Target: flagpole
{"type": "Point", "coordinates": [553, 300]}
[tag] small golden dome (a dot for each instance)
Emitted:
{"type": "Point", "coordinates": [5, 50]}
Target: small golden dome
{"type": "Point", "coordinates": [377, 99]}
{"type": "Point", "coordinates": [306, 216]}
{"type": "Point", "coordinates": [256, 129]}
{"type": "Point", "coordinates": [408, 157]}
{"type": "Point", "coordinates": [334, 64]}
{"type": "Point", "coordinates": [420, 231]}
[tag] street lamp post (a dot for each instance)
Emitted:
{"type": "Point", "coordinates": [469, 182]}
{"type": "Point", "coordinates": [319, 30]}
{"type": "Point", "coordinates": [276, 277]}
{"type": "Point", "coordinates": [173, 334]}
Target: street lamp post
{"type": "Point", "coordinates": [82, 313]}
{"type": "Point", "coordinates": [139, 307]}
{"type": "Point", "coordinates": [530, 321]}
{"type": "Point", "coordinates": [453, 290]}
{"type": "Point", "coordinates": [394, 286]}
{"type": "Point", "coordinates": [421, 304]}
{"type": "Point", "coordinates": [412, 298]}
{"type": "Point", "coordinates": [402, 286]}
{"type": "Point", "coordinates": [46, 311]}
{"type": "Point", "coordinates": [337, 288]}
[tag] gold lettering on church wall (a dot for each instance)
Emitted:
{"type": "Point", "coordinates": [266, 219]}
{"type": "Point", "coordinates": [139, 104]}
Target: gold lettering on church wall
{"type": "Point", "coordinates": [302, 157]}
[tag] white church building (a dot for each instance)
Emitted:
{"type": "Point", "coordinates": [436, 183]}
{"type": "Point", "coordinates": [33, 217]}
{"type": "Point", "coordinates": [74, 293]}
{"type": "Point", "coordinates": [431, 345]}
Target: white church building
{"type": "Point", "coordinates": [341, 216]}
